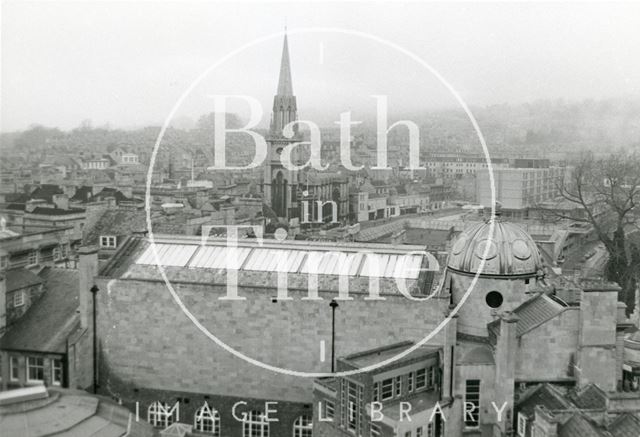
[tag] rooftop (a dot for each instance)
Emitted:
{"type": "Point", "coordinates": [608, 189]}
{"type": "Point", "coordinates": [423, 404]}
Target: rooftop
{"type": "Point", "coordinates": [289, 256]}
{"type": "Point", "coordinates": [510, 251]}
{"type": "Point", "coordinates": [21, 278]}
{"type": "Point", "coordinates": [70, 413]}
{"type": "Point", "coordinates": [373, 356]}
{"type": "Point", "coordinates": [51, 319]}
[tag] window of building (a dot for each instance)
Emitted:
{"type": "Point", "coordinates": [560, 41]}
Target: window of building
{"type": "Point", "coordinates": [431, 376]}
{"type": "Point", "coordinates": [255, 424]}
{"type": "Point", "coordinates": [387, 389]}
{"type": "Point", "coordinates": [472, 403]}
{"type": "Point", "coordinates": [35, 369]}
{"type": "Point", "coordinates": [421, 378]}
{"type": "Point", "coordinates": [161, 415]}
{"type": "Point", "coordinates": [33, 258]}
{"type": "Point", "coordinates": [430, 432]}
{"type": "Point", "coordinates": [56, 372]}
{"type": "Point", "coordinates": [303, 427]}
{"type": "Point", "coordinates": [407, 434]}
{"type": "Point", "coordinates": [4, 262]}
{"type": "Point", "coordinates": [376, 391]}
{"type": "Point", "coordinates": [419, 432]}
{"type": "Point", "coordinates": [411, 381]}
{"type": "Point", "coordinates": [13, 368]}
{"type": "Point", "coordinates": [329, 410]}
{"type": "Point", "coordinates": [56, 253]}
{"type": "Point", "coordinates": [108, 241]}
{"type": "Point", "coordinates": [494, 299]}
{"type": "Point", "coordinates": [398, 386]}
{"type": "Point", "coordinates": [375, 430]}
{"type": "Point", "coordinates": [351, 406]}
{"type": "Point", "coordinates": [522, 425]}
{"type": "Point", "coordinates": [207, 420]}
{"type": "Point", "coordinates": [18, 298]}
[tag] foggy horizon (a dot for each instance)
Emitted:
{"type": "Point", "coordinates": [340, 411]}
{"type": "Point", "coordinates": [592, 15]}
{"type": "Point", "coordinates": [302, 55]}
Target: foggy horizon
{"type": "Point", "coordinates": [125, 65]}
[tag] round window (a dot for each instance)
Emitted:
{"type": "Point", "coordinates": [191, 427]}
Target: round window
{"type": "Point", "coordinates": [494, 299]}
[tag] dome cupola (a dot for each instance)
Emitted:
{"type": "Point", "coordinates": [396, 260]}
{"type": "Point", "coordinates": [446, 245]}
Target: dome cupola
{"type": "Point", "coordinates": [509, 252]}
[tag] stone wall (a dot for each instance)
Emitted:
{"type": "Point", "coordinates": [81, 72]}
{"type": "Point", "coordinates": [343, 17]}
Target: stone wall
{"type": "Point", "coordinates": [147, 342]}
{"type": "Point", "coordinates": [545, 352]}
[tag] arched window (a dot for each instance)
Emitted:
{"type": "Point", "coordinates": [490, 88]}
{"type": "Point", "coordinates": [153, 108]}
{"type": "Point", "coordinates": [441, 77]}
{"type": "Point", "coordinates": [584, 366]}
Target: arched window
{"type": "Point", "coordinates": [303, 427]}
{"type": "Point", "coordinates": [161, 415]}
{"type": "Point", "coordinates": [207, 420]}
{"type": "Point", "coordinates": [255, 424]}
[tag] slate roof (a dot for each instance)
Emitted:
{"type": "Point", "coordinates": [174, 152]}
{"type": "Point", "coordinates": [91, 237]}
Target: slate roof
{"type": "Point", "coordinates": [111, 192]}
{"type": "Point", "coordinates": [531, 314]}
{"type": "Point", "coordinates": [51, 319]}
{"type": "Point", "coordinates": [591, 397]}
{"type": "Point", "coordinates": [82, 194]}
{"type": "Point", "coordinates": [46, 192]}
{"type": "Point", "coordinates": [117, 222]}
{"type": "Point", "coordinates": [580, 426]}
{"type": "Point", "coordinates": [625, 425]}
{"type": "Point", "coordinates": [21, 278]}
{"type": "Point", "coordinates": [544, 394]}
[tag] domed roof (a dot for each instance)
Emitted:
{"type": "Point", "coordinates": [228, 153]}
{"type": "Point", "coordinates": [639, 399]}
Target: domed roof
{"type": "Point", "coordinates": [511, 252]}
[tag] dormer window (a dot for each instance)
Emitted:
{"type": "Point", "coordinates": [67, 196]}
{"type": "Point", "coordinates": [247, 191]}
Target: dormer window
{"type": "Point", "coordinates": [18, 299]}
{"type": "Point", "coordinates": [107, 242]}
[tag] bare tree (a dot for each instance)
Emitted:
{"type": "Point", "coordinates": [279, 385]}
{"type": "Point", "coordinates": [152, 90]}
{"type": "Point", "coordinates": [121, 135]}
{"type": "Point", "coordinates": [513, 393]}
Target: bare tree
{"type": "Point", "coordinates": [605, 193]}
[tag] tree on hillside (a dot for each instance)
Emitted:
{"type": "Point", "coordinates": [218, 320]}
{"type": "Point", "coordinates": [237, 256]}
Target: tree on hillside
{"type": "Point", "coordinates": [607, 191]}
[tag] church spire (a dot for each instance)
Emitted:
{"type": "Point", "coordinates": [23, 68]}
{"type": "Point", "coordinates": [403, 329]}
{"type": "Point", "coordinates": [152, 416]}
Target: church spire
{"type": "Point", "coordinates": [285, 88]}
{"type": "Point", "coordinates": [285, 109]}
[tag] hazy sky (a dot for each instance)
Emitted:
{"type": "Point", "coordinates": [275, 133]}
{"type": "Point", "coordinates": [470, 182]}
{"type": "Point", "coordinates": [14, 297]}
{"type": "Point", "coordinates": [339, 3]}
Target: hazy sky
{"type": "Point", "coordinates": [127, 63]}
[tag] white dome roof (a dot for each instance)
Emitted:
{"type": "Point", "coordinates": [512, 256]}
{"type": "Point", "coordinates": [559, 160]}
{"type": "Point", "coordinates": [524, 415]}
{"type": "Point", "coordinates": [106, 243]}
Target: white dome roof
{"type": "Point", "coordinates": [511, 252]}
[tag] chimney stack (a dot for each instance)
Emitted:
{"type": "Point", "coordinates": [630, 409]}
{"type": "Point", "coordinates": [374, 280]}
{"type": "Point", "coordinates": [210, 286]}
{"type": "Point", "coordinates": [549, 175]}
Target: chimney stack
{"type": "Point", "coordinates": [87, 271]}
{"type": "Point", "coordinates": [505, 356]}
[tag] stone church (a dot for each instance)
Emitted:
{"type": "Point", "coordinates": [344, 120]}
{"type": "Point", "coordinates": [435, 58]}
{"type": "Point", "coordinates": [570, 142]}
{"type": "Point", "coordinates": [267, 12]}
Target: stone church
{"type": "Point", "coordinates": [307, 195]}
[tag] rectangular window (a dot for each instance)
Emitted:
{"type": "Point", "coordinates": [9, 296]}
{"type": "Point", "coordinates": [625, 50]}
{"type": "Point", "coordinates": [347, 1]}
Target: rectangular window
{"type": "Point", "coordinates": [419, 432]}
{"type": "Point", "coordinates": [351, 407]}
{"type": "Point", "coordinates": [472, 403]}
{"type": "Point", "coordinates": [18, 298]}
{"type": "Point", "coordinates": [375, 430]}
{"type": "Point", "coordinates": [33, 258]}
{"type": "Point", "coordinates": [108, 242]}
{"type": "Point", "coordinates": [407, 434]}
{"type": "Point", "coordinates": [430, 430]}
{"type": "Point", "coordinates": [13, 368]}
{"type": "Point", "coordinates": [329, 409]}
{"type": "Point", "coordinates": [35, 369]}
{"type": "Point", "coordinates": [387, 389]}
{"type": "Point", "coordinates": [431, 376]}
{"type": "Point", "coordinates": [398, 386]}
{"type": "Point", "coordinates": [421, 379]}
{"type": "Point", "coordinates": [376, 391]}
{"type": "Point", "coordinates": [522, 425]}
{"type": "Point", "coordinates": [56, 372]}
{"type": "Point", "coordinates": [411, 381]}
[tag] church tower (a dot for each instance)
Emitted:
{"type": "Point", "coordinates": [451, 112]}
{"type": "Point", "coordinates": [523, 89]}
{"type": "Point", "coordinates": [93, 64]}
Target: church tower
{"type": "Point", "coordinates": [280, 185]}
